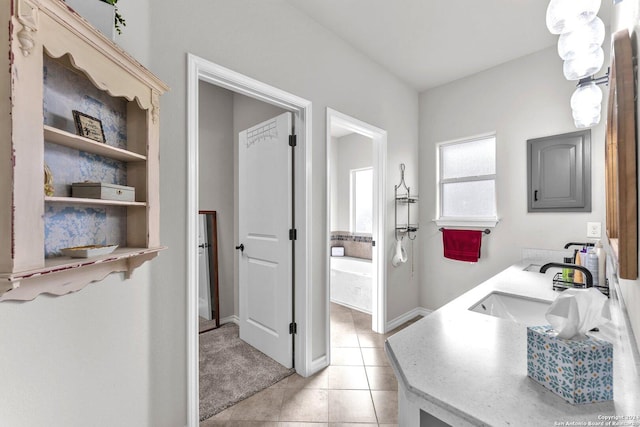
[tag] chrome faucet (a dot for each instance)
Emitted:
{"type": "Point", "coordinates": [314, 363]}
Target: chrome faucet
{"type": "Point", "coordinates": [587, 274]}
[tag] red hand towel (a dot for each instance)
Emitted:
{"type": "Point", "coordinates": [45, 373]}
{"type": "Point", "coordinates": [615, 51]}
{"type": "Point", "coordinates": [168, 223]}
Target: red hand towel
{"type": "Point", "coordinates": [462, 245]}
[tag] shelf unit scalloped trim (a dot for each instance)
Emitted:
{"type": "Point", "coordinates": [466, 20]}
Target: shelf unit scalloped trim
{"type": "Point", "coordinates": [70, 140]}
{"type": "Point", "coordinates": [66, 17]}
{"type": "Point", "coordinates": [143, 102]}
{"type": "Point", "coordinates": [64, 275]}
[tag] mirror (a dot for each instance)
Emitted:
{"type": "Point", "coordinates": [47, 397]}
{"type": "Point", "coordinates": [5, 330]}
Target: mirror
{"type": "Point", "coordinates": [208, 301]}
{"type": "Point", "coordinates": [620, 158]}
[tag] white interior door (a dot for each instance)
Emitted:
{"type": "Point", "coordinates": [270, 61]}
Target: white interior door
{"type": "Point", "coordinates": [265, 218]}
{"type": "Point", "coordinates": [204, 288]}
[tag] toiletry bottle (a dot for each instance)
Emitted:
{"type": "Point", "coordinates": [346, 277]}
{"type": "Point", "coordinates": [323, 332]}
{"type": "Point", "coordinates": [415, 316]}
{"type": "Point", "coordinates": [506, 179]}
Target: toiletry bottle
{"type": "Point", "coordinates": [567, 273]}
{"type": "Point", "coordinates": [591, 262]}
{"type": "Point", "coordinates": [601, 263]}
{"type": "Point", "coordinates": [577, 274]}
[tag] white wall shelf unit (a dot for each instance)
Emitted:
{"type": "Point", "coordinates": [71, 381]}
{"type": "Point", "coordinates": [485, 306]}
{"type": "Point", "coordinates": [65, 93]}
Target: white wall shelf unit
{"type": "Point", "coordinates": [59, 63]}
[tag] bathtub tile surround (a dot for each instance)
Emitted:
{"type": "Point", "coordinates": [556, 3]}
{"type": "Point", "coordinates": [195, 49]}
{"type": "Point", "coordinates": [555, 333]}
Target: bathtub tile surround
{"type": "Point", "coordinates": [578, 371]}
{"type": "Point", "coordinates": [355, 245]}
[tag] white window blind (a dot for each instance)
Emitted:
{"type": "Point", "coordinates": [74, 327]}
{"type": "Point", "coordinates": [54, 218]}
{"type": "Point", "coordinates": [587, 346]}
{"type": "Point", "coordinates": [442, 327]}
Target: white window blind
{"type": "Point", "coordinates": [467, 180]}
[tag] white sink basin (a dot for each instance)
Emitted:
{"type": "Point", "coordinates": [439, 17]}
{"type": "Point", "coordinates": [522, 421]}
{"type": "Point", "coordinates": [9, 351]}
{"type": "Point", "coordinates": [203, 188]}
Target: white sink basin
{"type": "Point", "coordinates": [533, 267]}
{"type": "Point", "coordinates": [519, 309]}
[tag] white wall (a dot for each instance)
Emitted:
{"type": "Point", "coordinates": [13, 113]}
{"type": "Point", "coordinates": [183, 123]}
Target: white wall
{"type": "Point", "coordinates": [272, 42]}
{"type": "Point", "coordinates": [80, 359]}
{"type": "Point", "coordinates": [216, 172]}
{"type": "Point", "coordinates": [135, 37]}
{"type": "Point", "coordinates": [85, 358]}
{"type": "Point", "coordinates": [354, 151]}
{"type": "Point", "coordinates": [522, 99]}
{"type": "Point", "coordinates": [626, 15]}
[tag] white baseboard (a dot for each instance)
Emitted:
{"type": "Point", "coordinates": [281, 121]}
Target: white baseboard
{"type": "Point", "coordinates": [230, 319]}
{"type": "Point", "coordinates": [418, 311]}
{"type": "Point", "coordinates": [353, 307]}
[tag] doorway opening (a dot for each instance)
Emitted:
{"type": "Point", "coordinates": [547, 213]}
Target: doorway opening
{"type": "Point", "coordinates": [202, 71]}
{"type": "Point", "coordinates": [356, 182]}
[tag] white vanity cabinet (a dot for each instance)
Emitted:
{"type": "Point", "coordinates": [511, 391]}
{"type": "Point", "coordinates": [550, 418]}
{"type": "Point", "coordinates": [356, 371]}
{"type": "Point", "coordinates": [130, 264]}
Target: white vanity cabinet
{"type": "Point", "coordinates": [57, 62]}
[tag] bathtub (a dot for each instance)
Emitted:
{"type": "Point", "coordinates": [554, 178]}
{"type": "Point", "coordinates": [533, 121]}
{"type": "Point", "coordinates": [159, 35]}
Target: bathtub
{"type": "Point", "coordinates": [351, 283]}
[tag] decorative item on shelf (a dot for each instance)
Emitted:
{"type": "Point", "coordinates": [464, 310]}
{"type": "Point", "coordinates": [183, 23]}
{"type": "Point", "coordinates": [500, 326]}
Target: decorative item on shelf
{"type": "Point", "coordinates": [88, 251]}
{"type": "Point", "coordinates": [403, 196]}
{"type": "Point", "coordinates": [88, 126]}
{"type": "Point", "coordinates": [579, 45]}
{"type": "Point", "coordinates": [101, 190]}
{"type": "Point", "coordinates": [48, 181]}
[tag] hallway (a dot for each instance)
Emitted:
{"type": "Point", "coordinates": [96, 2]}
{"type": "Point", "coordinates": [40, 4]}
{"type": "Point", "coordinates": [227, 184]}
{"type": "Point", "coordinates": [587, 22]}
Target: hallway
{"type": "Point", "coordinates": [359, 386]}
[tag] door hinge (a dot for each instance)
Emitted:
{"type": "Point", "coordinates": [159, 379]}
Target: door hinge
{"type": "Point", "coordinates": [373, 243]}
{"type": "Point", "coordinates": [293, 328]}
{"type": "Point", "coordinates": [293, 234]}
{"type": "Point", "coordinates": [293, 140]}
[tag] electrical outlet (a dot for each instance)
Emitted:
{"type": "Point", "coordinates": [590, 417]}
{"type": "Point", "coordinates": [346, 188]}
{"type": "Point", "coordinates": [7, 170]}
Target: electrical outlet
{"type": "Point", "coordinates": [594, 230]}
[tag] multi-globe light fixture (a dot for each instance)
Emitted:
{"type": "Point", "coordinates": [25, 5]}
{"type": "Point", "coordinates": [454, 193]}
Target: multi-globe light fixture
{"type": "Point", "coordinates": [580, 46]}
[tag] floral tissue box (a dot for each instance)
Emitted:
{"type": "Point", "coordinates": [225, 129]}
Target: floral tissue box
{"type": "Point", "coordinates": [578, 371]}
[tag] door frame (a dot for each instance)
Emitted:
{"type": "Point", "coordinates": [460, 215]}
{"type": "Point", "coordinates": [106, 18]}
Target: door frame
{"type": "Point", "coordinates": [200, 69]}
{"type": "Point", "coordinates": [379, 143]}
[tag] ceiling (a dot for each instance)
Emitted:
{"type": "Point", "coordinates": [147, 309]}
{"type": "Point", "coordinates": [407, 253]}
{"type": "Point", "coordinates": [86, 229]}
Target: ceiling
{"type": "Point", "coordinates": [427, 43]}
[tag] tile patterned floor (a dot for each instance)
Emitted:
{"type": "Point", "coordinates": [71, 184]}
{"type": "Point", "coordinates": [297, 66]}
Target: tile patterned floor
{"type": "Point", "coordinates": [358, 389]}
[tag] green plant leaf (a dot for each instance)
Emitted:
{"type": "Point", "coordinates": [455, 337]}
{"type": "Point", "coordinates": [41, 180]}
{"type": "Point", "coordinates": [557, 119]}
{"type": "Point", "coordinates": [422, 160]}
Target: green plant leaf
{"type": "Point", "coordinates": [119, 21]}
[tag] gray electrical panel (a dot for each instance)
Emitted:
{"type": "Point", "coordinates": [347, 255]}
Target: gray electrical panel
{"type": "Point", "coordinates": [559, 173]}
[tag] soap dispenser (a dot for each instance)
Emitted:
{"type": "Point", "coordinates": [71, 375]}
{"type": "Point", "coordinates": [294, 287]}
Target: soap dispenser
{"type": "Point", "coordinates": [591, 263]}
{"type": "Point", "coordinates": [602, 257]}
{"type": "Point", "coordinates": [577, 275]}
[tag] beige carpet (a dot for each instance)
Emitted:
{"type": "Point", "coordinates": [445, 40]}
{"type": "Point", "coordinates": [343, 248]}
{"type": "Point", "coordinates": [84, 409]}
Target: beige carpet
{"type": "Point", "coordinates": [231, 370]}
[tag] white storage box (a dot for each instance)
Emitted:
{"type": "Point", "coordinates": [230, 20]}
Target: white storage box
{"type": "Point", "coordinates": [99, 190]}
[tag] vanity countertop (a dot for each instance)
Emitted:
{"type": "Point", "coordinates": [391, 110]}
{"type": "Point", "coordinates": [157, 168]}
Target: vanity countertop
{"type": "Point", "coordinates": [471, 368]}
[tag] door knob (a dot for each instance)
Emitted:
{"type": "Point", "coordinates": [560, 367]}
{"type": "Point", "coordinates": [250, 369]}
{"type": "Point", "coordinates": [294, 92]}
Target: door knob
{"type": "Point", "coordinates": [241, 247]}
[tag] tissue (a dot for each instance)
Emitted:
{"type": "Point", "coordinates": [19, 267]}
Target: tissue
{"type": "Point", "coordinates": [563, 359]}
{"type": "Point", "coordinates": [577, 311]}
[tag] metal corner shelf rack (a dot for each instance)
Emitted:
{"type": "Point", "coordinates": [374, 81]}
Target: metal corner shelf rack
{"type": "Point", "coordinates": [403, 197]}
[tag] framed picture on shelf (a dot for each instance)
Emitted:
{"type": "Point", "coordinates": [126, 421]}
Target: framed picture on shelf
{"type": "Point", "coordinates": [88, 126]}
